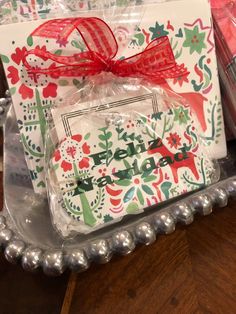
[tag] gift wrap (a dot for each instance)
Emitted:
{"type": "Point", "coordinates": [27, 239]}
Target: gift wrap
{"type": "Point", "coordinates": [102, 171]}
{"type": "Point", "coordinates": [188, 26]}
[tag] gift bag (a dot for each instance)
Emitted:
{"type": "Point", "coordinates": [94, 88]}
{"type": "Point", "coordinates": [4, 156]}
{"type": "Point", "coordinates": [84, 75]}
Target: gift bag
{"type": "Point", "coordinates": [109, 157]}
{"type": "Point", "coordinates": [186, 25]}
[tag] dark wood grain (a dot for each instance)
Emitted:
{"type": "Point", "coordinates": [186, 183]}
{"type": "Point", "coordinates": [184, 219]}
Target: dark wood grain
{"type": "Point", "coordinates": [190, 271]}
{"type": "Point", "coordinates": [3, 81]}
{"type": "Point", "coordinates": [26, 293]}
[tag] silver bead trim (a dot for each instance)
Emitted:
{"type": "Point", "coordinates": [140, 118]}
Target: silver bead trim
{"type": "Point", "coordinates": [31, 259]}
{"type": "Point", "coordinates": [54, 262]}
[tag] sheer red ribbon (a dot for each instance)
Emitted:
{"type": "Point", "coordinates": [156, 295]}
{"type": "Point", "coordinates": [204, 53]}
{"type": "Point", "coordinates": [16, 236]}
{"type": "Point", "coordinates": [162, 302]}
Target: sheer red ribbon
{"type": "Point", "coordinates": [156, 62]}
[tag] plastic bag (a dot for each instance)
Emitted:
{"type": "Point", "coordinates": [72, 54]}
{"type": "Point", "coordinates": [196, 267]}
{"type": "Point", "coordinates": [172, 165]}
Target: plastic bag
{"type": "Point", "coordinates": [118, 147]}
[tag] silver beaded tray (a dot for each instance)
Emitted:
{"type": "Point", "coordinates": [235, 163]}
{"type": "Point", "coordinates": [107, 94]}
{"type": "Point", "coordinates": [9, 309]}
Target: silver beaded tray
{"type": "Point", "coordinates": [28, 237]}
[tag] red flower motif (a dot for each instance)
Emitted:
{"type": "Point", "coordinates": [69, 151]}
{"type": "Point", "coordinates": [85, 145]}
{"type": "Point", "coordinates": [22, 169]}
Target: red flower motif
{"type": "Point", "coordinates": [71, 152]}
{"type": "Point", "coordinates": [18, 74]}
{"type": "Point", "coordinates": [57, 155]}
{"type": "Point", "coordinates": [77, 137]}
{"type": "Point", "coordinates": [43, 48]}
{"type": "Point", "coordinates": [17, 57]}
{"type": "Point", "coordinates": [181, 79]}
{"type": "Point", "coordinates": [54, 74]}
{"type": "Point", "coordinates": [13, 74]}
{"type": "Point", "coordinates": [86, 148]}
{"type": "Point", "coordinates": [50, 90]}
{"type": "Point", "coordinates": [174, 140]}
{"type": "Point", "coordinates": [62, 42]}
{"type": "Point", "coordinates": [66, 166]}
{"type": "Point", "coordinates": [26, 92]}
{"type": "Point", "coordinates": [84, 163]}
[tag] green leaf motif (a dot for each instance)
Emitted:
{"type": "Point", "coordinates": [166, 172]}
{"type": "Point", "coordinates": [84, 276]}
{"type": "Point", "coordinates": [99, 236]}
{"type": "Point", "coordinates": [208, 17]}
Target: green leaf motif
{"type": "Point", "coordinates": [103, 146]}
{"type": "Point", "coordinates": [125, 182]}
{"type": "Point", "coordinates": [129, 195]}
{"type": "Point", "coordinates": [39, 169]}
{"type": "Point", "coordinates": [108, 135]}
{"type": "Point", "coordinates": [102, 137]}
{"type": "Point", "coordinates": [147, 189]}
{"type": "Point", "coordinates": [149, 178]}
{"type": "Point", "coordinates": [132, 208]}
{"type": "Point", "coordinates": [63, 83]}
{"type": "Point", "coordinates": [140, 196]}
{"type": "Point", "coordinates": [55, 167]}
{"type": "Point", "coordinates": [107, 218]}
{"type": "Point", "coordinates": [12, 90]}
{"type": "Point", "coordinates": [165, 187]}
{"type": "Point", "coordinates": [126, 163]}
{"type": "Point", "coordinates": [58, 52]}
{"type": "Point", "coordinates": [5, 59]}
{"type": "Point", "coordinates": [87, 136]}
{"type": "Point", "coordinates": [140, 37]}
{"type": "Point", "coordinates": [194, 40]}
{"type": "Point", "coordinates": [75, 44]}
{"type": "Point", "coordinates": [41, 184]}
{"type": "Point", "coordinates": [30, 41]}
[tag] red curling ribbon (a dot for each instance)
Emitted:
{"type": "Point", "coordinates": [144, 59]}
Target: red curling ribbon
{"type": "Point", "coordinates": [156, 62]}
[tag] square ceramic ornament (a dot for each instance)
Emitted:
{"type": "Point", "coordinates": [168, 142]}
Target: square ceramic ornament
{"type": "Point", "coordinates": [121, 157]}
{"type": "Point", "coordinates": [187, 24]}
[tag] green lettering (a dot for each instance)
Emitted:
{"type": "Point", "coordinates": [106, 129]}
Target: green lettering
{"type": "Point", "coordinates": [123, 174]}
{"type": "Point", "coordinates": [135, 168]}
{"type": "Point", "coordinates": [155, 144]}
{"type": "Point", "coordinates": [148, 165]}
{"type": "Point", "coordinates": [164, 161]}
{"type": "Point", "coordinates": [103, 181]}
{"type": "Point", "coordinates": [134, 150]}
{"type": "Point", "coordinates": [120, 154]}
{"type": "Point", "coordinates": [181, 156]}
{"type": "Point", "coordinates": [99, 158]}
{"type": "Point", "coordinates": [83, 186]}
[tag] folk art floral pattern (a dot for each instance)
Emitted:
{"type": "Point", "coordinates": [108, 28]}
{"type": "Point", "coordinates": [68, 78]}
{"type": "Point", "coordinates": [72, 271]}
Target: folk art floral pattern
{"type": "Point", "coordinates": [193, 46]}
{"type": "Point", "coordinates": [119, 176]}
{"type": "Point", "coordinates": [16, 11]}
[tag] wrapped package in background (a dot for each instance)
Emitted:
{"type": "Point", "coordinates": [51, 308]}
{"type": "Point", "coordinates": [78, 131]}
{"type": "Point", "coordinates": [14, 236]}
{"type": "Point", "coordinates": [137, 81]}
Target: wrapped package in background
{"type": "Point", "coordinates": [224, 15]}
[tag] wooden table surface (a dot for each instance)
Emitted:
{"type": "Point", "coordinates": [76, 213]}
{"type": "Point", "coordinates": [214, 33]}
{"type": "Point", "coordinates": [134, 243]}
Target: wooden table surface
{"type": "Point", "coordinates": [192, 270]}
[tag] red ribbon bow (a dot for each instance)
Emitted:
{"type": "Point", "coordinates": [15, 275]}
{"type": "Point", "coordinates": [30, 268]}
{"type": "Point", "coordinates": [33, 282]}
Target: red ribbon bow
{"type": "Point", "coordinates": [156, 62]}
